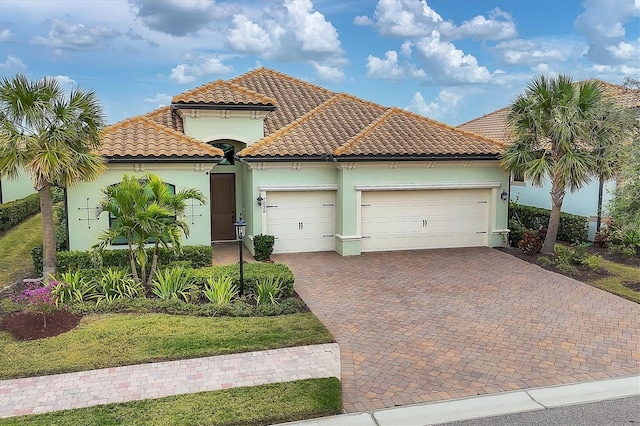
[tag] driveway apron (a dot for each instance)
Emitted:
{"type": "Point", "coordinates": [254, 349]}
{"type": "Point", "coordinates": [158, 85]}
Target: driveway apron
{"type": "Point", "coordinates": [427, 325]}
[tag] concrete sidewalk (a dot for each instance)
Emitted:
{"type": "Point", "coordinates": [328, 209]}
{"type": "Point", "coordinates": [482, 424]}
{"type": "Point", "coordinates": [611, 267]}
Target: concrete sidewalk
{"type": "Point", "coordinates": [156, 380]}
{"type": "Point", "coordinates": [486, 405]}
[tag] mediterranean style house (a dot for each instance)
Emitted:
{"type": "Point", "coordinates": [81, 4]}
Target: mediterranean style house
{"type": "Point", "coordinates": [590, 199]}
{"type": "Point", "coordinates": [318, 170]}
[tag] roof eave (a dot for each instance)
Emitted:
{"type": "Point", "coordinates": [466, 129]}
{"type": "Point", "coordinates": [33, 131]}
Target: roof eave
{"type": "Point", "coordinates": [342, 158]}
{"type": "Point", "coordinates": [171, 159]}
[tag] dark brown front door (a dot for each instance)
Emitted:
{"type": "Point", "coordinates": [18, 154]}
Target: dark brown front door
{"type": "Point", "coordinates": [223, 206]}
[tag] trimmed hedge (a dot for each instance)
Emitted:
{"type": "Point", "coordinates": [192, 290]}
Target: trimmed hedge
{"type": "Point", "coordinates": [14, 212]}
{"type": "Point", "coordinates": [572, 229]}
{"type": "Point", "coordinates": [192, 256]}
{"type": "Point", "coordinates": [253, 274]}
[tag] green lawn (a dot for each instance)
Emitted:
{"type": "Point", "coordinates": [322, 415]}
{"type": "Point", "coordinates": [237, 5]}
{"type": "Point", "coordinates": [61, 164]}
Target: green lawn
{"type": "Point", "coordinates": [619, 273]}
{"type": "Point", "coordinates": [15, 249]}
{"type": "Point", "coordinates": [256, 405]}
{"type": "Point", "coordinates": [102, 341]}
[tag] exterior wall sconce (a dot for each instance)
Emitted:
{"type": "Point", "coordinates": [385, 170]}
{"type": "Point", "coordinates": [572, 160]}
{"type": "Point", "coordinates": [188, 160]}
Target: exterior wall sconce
{"type": "Point", "coordinates": [259, 200]}
{"type": "Point", "coordinates": [504, 195]}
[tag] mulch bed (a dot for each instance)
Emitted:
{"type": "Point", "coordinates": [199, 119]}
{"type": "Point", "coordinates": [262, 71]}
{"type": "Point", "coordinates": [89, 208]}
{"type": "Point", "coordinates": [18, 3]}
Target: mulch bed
{"type": "Point", "coordinates": [582, 272]}
{"type": "Point", "coordinates": [30, 325]}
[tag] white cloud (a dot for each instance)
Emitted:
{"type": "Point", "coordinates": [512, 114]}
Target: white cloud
{"type": "Point", "coordinates": [603, 25]}
{"type": "Point", "coordinates": [444, 104]}
{"type": "Point", "coordinates": [328, 74]}
{"type": "Point", "coordinates": [499, 26]}
{"type": "Point", "coordinates": [624, 50]}
{"type": "Point", "coordinates": [161, 99]}
{"type": "Point", "coordinates": [526, 52]}
{"type": "Point", "coordinates": [13, 65]}
{"type": "Point", "coordinates": [5, 35]}
{"type": "Point", "coordinates": [402, 18]}
{"type": "Point", "coordinates": [385, 68]}
{"type": "Point", "coordinates": [65, 81]}
{"type": "Point", "coordinates": [181, 17]}
{"type": "Point", "coordinates": [186, 73]}
{"type": "Point", "coordinates": [294, 32]}
{"type": "Point", "coordinates": [448, 65]}
{"type": "Point", "coordinates": [65, 35]}
{"type": "Point", "coordinates": [247, 36]}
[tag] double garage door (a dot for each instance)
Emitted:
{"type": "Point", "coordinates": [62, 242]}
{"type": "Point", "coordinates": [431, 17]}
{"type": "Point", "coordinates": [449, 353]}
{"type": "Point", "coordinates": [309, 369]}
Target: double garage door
{"type": "Point", "coordinates": [403, 220]}
{"type": "Point", "coordinates": [303, 221]}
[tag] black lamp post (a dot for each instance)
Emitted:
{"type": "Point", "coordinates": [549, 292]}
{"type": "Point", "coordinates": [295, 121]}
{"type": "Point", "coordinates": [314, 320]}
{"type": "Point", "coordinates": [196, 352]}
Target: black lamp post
{"type": "Point", "coordinates": [241, 227]}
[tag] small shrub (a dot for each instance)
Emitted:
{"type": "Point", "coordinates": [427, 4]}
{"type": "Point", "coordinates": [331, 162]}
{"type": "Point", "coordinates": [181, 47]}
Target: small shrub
{"type": "Point", "coordinates": [263, 246]}
{"type": "Point", "coordinates": [73, 287]}
{"type": "Point", "coordinates": [531, 242]}
{"type": "Point", "coordinates": [38, 298]}
{"type": "Point", "coordinates": [572, 228]}
{"type": "Point", "coordinates": [173, 283]}
{"type": "Point", "coordinates": [253, 273]}
{"type": "Point", "coordinates": [117, 284]}
{"type": "Point", "coordinates": [268, 290]}
{"type": "Point", "coordinates": [220, 291]}
{"type": "Point", "coordinates": [579, 254]}
{"type": "Point", "coordinates": [592, 262]}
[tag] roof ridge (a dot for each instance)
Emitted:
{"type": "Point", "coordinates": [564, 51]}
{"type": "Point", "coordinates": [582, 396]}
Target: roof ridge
{"type": "Point", "coordinates": [283, 75]}
{"type": "Point", "coordinates": [364, 132]}
{"type": "Point", "coordinates": [455, 129]}
{"type": "Point", "coordinates": [228, 84]}
{"type": "Point", "coordinates": [290, 126]}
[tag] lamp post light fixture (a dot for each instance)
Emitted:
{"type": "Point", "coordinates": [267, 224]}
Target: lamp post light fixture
{"type": "Point", "coordinates": [241, 227]}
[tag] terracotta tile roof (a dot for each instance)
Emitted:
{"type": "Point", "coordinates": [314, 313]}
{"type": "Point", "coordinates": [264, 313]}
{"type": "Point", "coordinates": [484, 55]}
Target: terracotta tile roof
{"type": "Point", "coordinates": [295, 97]}
{"type": "Point", "coordinates": [401, 133]}
{"type": "Point", "coordinates": [494, 125]}
{"type": "Point", "coordinates": [320, 131]}
{"type": "Point", "coordinates": [223, 93]}
{"type": "Point", "coordinates": [142, 137]}
{"type": "Point", "coordinates": [166, 117]}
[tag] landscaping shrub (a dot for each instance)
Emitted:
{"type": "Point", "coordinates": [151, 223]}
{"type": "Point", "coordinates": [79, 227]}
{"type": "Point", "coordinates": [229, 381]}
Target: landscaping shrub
{"type": "Point", "coordinates": [263, 246]}
{"type": "Point", "coordinates": [531, 242]}
{"type": "Point", "coordinates": [253, 274]}
{"type": "Point", "coordinates": [191, 256]}
{"type": "Point", "coordinates": [572, 229]}
{"type": "Point", "coordinates": [517, 231]}
{"type": "Point", "coordinates": [173, 283]}
{"type": "Point", "coordinates": [14, 212]}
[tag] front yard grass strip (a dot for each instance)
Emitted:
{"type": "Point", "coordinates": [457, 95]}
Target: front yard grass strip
{"type": "Point", "coordinates": [252, 406]}
{"type": "Point", "coordinates": [15, 249]}
{"type": "Point", "coordinates": [111, 340]}
{"type": "Point", "coordinates": [619, 273]}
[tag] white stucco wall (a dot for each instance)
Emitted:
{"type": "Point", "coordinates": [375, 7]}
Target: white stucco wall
{"type": "Point", "coordinates": [243, 126]}
{"type": "Point", "coordinates": [84, 226]}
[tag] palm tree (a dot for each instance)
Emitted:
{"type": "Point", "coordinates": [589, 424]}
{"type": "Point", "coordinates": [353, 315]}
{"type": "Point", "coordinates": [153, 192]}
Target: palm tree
{"type": "Point", "coordinates": [566, 133]}
{"type": "Point", "coordinates": [144, 211]}
{"type": "Point", "coordinates": [52, 135]}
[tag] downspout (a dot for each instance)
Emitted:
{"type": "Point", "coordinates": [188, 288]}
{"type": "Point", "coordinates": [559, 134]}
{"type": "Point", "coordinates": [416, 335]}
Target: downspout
{"type": "Point", "coordinates": [66, 217]}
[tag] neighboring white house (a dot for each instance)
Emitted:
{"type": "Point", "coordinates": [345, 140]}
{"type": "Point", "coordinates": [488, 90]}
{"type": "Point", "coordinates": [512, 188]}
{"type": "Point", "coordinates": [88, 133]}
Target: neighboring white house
{"type": "Point", "coordinates": [14, 189]}
{"type": "Point", "coordinates": [587, 201]}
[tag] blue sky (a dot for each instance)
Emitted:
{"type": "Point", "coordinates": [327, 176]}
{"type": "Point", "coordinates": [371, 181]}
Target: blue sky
{"type": "Point", "coordinates": [451, 60]}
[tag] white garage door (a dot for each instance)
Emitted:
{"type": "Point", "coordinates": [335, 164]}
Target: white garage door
{"type": "Point", "coordinates": [402, 220]}
{"type": "Point", "coordinates": [302, 221]}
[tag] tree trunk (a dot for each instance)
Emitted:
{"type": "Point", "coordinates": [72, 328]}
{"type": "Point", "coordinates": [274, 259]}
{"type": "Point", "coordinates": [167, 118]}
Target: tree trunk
{"type": "Point", "coordinates": [48, 233]}
{"type": "Point", "coordinates": [557, 196]}
{"type": "Point", "coordinates": [152, 273]}
{"type": "Point", "coordinates": [134, 270]}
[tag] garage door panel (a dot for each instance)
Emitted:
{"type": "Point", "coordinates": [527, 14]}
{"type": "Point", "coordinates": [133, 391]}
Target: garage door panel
{"type": "Point", "coordinates": [424, 219]}
{"type": "Point", "coordinates": [301, 221]}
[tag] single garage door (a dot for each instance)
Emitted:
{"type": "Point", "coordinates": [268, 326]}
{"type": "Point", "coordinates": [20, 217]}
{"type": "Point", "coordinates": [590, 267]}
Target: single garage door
{"type": "Point", "coordinates": [403, 220]}
{"type": "Point", "coordinates": [302, 221]}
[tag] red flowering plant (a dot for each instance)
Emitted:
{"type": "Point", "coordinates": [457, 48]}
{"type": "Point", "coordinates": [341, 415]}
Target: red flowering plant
{"type": "Point", "coordinates": [38, 299]}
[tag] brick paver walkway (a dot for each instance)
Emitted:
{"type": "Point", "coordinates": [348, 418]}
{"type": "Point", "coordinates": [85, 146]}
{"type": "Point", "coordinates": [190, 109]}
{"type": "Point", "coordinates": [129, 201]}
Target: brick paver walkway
{"type": "Point", "coordinates": [142, 381]}
{"type": "Point", "coordinates": [420, 326]}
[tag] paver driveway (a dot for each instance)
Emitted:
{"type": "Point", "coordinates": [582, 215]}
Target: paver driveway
{"type": "Point", "coordinates": [417, 326]}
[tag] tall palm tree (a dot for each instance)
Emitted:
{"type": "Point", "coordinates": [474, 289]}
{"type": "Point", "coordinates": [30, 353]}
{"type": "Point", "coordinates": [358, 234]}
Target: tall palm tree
{"type": "Point", "coordinates": [565, 133]}
{"type": "Point", "coordinates": [145, 212]}
{"type": "Point", "coordinates": [52, 135]}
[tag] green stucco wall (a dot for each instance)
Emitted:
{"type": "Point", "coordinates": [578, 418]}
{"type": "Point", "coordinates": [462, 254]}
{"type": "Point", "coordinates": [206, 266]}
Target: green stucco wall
{"type": "Point", "coordinates": [210, 125]}
{"type": "Point", "coordinates": [83, 232]}
{"type": "Point", "coordinates": [345, 178]}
